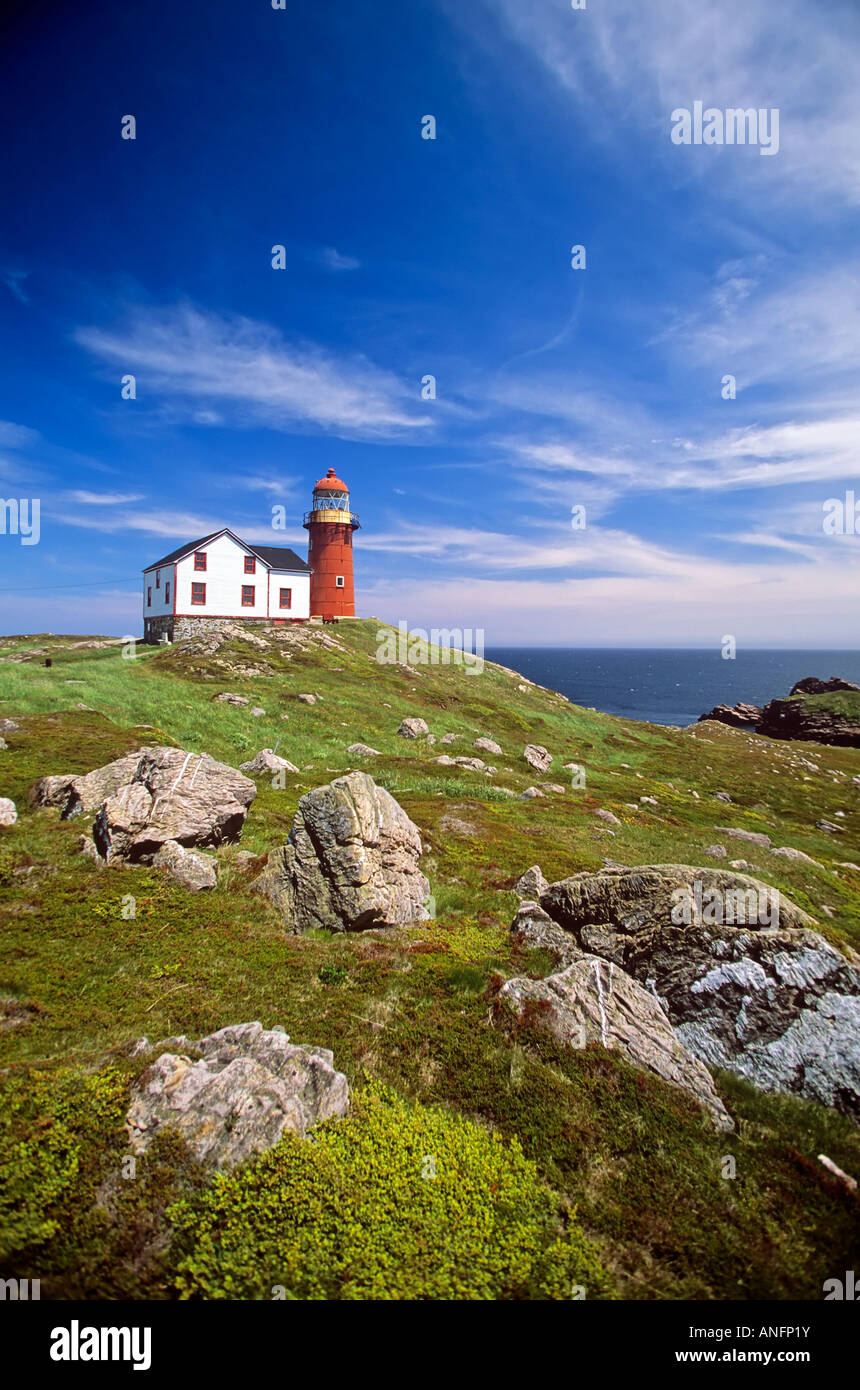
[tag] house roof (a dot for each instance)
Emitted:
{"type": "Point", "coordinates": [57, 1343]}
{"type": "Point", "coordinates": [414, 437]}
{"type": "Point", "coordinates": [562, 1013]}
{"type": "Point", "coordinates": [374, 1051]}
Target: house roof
{"type": "Point", "coordinates": [276, 557]}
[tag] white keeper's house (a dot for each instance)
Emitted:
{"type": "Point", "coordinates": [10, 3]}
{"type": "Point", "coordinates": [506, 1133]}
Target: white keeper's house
{"type": "Point", "coordinates": [220, 578]}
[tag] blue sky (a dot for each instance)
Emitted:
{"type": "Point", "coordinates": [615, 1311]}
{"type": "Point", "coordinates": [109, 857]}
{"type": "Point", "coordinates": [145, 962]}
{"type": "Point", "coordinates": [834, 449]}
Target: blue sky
{"type": "Point", "coordinates": [556, 387]}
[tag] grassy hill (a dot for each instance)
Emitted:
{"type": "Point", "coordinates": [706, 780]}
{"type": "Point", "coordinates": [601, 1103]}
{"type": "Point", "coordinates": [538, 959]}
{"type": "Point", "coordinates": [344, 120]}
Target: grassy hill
{"type": "Point", "coordinates": [617, 1176]}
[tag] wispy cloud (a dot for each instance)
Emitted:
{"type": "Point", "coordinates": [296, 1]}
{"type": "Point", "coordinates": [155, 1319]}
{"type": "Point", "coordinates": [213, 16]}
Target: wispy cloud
{"type": "Point", "coordinates": [14, 282]}
{"type": "Point", "coordinates": [103, 499]}
{"type": "Point", "coordinates": [333, 260]}
{"type": "Point", "coordinates": [253, 375]}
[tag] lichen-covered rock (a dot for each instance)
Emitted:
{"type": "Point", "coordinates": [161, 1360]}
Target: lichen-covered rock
{"type": "Point", "coordinates": [487, 745]}
{"type": "Point", "coordinates": [413, 728]}
{"type": "Point", "coordinates": [592, 1001]}
{"type": "Point", "coordinates": [537, 757]}
{"type": "Point", "coordinates": [247, 1088]}
{"type": "Point", "coordinates": [8, 811]}
{"type": "Point", "coordinates": [172, 795]}
{"type": "Point", "coordinates": [534, 929]}
{"type": "Point", "coordinates": [83, 792]}
{"type": "Point", "coordinates": [193, 871]}
{"type": "Point", "coordinates": [531, 884]}
{"type": "Point", "coordinates": [351, 861]}
{"type": "Point", "coordinates": [267, 762]}
{"type": "Point", "coordinates": [746, 982]}
{"type": "Point", "coordinates": [363, 750]}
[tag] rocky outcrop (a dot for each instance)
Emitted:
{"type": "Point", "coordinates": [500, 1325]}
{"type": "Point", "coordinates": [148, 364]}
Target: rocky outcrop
{"type": "Point", "coordinates": [192, 871]}
{"type": "Point", "coordinates": [811, 685]}
{"type": "Point", "coordinates": [800, 718]}
{"type": "Point", "coordinates": [739, 716]}
{"type": "Point", "coordinates": [745, 981]}
{"type": "Point", "coordinates": [168, 794]}
{"type": "Point", "coordinates": [534, 930]}
{"type": "Point", "coordinates": [593, 1001]}
{"type": "Point", "coordinates": [247, 1088]}
{"type": "Point", "coordinates": [351, 861]}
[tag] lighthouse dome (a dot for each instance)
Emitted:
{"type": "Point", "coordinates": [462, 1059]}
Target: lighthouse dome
{"type": "Point", "coordinates": [331, 483]}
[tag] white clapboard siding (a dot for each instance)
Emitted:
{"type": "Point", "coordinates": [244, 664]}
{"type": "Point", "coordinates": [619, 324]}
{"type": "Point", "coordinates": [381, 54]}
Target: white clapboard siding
{"type": "Point", "coordinates": [301, 586]}
{"type": "Point", "coordinates": [224, 576]}
{"type": "Point", "coordinates": [162, 593]}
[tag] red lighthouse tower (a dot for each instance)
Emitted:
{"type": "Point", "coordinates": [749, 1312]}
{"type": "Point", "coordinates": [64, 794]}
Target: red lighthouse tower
{"type": "Point", "coordinates": [330, 525]}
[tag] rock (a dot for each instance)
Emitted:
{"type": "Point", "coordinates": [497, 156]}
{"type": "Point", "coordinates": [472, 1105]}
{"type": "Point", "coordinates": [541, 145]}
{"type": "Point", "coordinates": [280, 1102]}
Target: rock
{"type": "Point", "coordinates": [591, 1001]}
{"type": "Point", "coordinates": [746, 983]}
{"type": "Point", "coordinates": [847, 864]}
{"type": "Point", "coordinates": [193, 871]}
{"type": "Point", "coordinates": [9, 726]}
{"type": "Point", "coordinates": [449, 738]}
{"type": "Point", "coordinates": [722, 796]}
{"type": "Point", "coordinates": [363, 750]}
{"type": "Point", "coordinates": [753, 837]}
{"type": "Point", "coordinates": [786, 852]}
{"type": "Point", "coordinates": [716, 851]}
{"type": "Point", "coordinates": [445, 761]}
{"type": "Point", "coordinates": [486, 745]}
{"type": "Point", "coordinates": [475, 764]}
{"type": "Point", "coordinates": [307, 699]}
{"type": "Point", "coordinates": [8, 812]}
{"type": "Point", "coordinates": [75, 794]}
{"type": "Point", "coordinates": [537, 757]}
{"type": "Point", "coordinates": [89, 851]}
{"type": "Point", "coordinates": [3, 744]}
{"type": "Point", "coordinates": [351, 861]}
{"type": "Point", "coordinates": [247, 1089]}
{"type": "Point", "coordinates": [829, 827]}
{"type": "Point", "coordinates": [555, 787]}
{"type": "Point", "coordinates": [648, 800]}
{"type": "Point", "coordinates": [257, 711]}
{"type": "Point", "coordinates": [738, 716]}
{"type": "Point", "coordinates": [801, 718]}
{"type": "Point", "coordinates": [267, 761]}
{"type": "Point", "coordinates": [531, 792]}
{"type": "Point", "coordinates": [608, 816]}
{"type": "Point", "coordinates": [739, 864]}
{"type": "Point", "coordinates": [455, 825]}
{"type": "Point", "coordinates": [228, 698]}
{"type": "Point", "coordinates": [534, 929]}
{"type": "Point", "coordinates": [172, 795]}
{"type": "Point", "coordinates": [413, 728]}
{"type": "Point", "coordinates": [531, 884]}
{"type": "Point", "coordinates": [811, 685]}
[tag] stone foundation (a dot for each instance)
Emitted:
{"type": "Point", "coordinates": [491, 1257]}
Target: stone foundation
{"type": "Point", "coordinates": [178, 628]}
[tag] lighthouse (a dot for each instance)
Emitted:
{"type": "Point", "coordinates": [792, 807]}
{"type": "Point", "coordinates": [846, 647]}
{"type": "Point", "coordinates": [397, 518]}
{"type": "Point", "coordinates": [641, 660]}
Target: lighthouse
{"type": "Point", "coordinates": [330, 525]}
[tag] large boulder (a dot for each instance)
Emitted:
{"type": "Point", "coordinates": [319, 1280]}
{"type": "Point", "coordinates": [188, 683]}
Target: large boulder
{"type": "Point", "coordinates": [247, 1088]}
{"type": "Point", "coordinates": [746, 982]}
{"type": "Point", "coordinates": [593, 1001]}
{"type": "Point", "coordinates": [351, 861]}
{"type": "Point", "coordinates": [75, 793]}
{"type": "Point", "coordinates": [169, 794]}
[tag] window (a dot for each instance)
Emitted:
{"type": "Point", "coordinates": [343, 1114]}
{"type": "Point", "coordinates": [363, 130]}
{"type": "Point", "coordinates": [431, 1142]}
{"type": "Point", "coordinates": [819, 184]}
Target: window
{"type": "Point", "coordinates": [158, 579]}
{"type": "Point", "coordinates": [149, 596]}
{"type": "Point", "coordinates": [200, 559]}
{"type": "Point", "coordinates": [250, 565]}
{"type": "Point", "coordinates": [347, 540]}
{"type": "Point", "coordinates": [247, 595]}
{"type": "Point", "coordinates": [339, 584]}
{"type": "Point", "coordinates": [167, 593]}
{"type": "Point", "coordinates": [198, 593]}
{"type": "Point", "coordinates": [286, 598]}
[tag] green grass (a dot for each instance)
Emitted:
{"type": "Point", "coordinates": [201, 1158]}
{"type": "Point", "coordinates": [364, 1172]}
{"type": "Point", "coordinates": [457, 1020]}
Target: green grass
{"type": "Point", "coordinates": [628, 1161]}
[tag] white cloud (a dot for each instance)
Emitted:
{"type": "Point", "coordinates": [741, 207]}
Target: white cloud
{"type": "Point", "coordinates": [333, 260]}
{"type": "Point", "coordinates": [250, 370]}
{"type": "Point", "coordinates": [104, 499]}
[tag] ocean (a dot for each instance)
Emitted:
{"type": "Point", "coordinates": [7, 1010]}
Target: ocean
{"type": "Point", "coordinates": [671, 687]}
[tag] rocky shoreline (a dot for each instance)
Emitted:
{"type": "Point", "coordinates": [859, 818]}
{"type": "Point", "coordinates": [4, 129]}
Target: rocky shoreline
{"type": "Point", "coordinates": [795, 717]}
